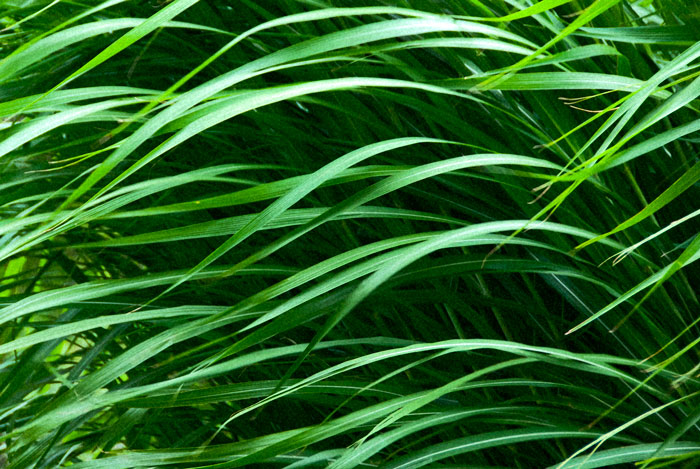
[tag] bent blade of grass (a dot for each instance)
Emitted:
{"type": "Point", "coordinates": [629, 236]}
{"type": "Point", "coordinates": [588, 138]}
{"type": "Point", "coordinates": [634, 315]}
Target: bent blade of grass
{"type": "Point", "coordinates": [690, 255]}
{"type": "Point", "coordinates": [691, 251]}
{"type": "Point", "coordinates": [332, 428]}
{"type": "Point", "coordinates": [310, 183]}
{"type": "Point", "coordinates": [539, 7]}
{"type": "Point", "coordinates": [686, 181]}
{"type": "Point", "coordinates": [628, 454]}
{"type": "Point", "coordinates": [70, 96]}
{"type": "Point", "coordinates": [596, 9]}
{"type": "Point", "coordinates": [101, 288]}
{"type": "Point", "coordinates": [291, 217]}
{"type": "Point", "coordinates": [78, 403]}
{"type": "Point", "coordinates": [310, 16]}
{"type": "Point", "coordinates": [39, 126]}
{"type": "Point", "coordinates": [544, 81]}
{"type": "Point", "coordinates": [156, 21]}
{"type": "Point", "coordinates": [354, 456]}
{"type": "Point", "coordinates": [407, 256]}
{"type": "Point", "coordinates": [625, 252]}
{"type": "Point", "coordinates": [487, 440]}
{"type": "Point", "coordinates": [603, 438]}
{"type": "Point", "coordinates": [43, 48]}
{"type": "Point", "coordinates": [334, 41]}
{"type": "Point", "coordinates": [643, 34]}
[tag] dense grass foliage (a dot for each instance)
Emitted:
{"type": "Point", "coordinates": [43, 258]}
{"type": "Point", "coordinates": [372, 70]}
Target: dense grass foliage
{"type": "Point", "coordinates": [315, 233]}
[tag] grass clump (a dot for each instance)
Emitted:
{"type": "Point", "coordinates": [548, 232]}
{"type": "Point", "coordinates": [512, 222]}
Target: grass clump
{"type": "Point", "coordinates": [346, 234]}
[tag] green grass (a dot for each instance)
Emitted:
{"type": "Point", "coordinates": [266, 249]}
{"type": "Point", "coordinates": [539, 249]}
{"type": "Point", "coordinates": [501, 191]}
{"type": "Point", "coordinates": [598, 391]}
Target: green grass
{"type": "Point", "coordinates": [304, 233]}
